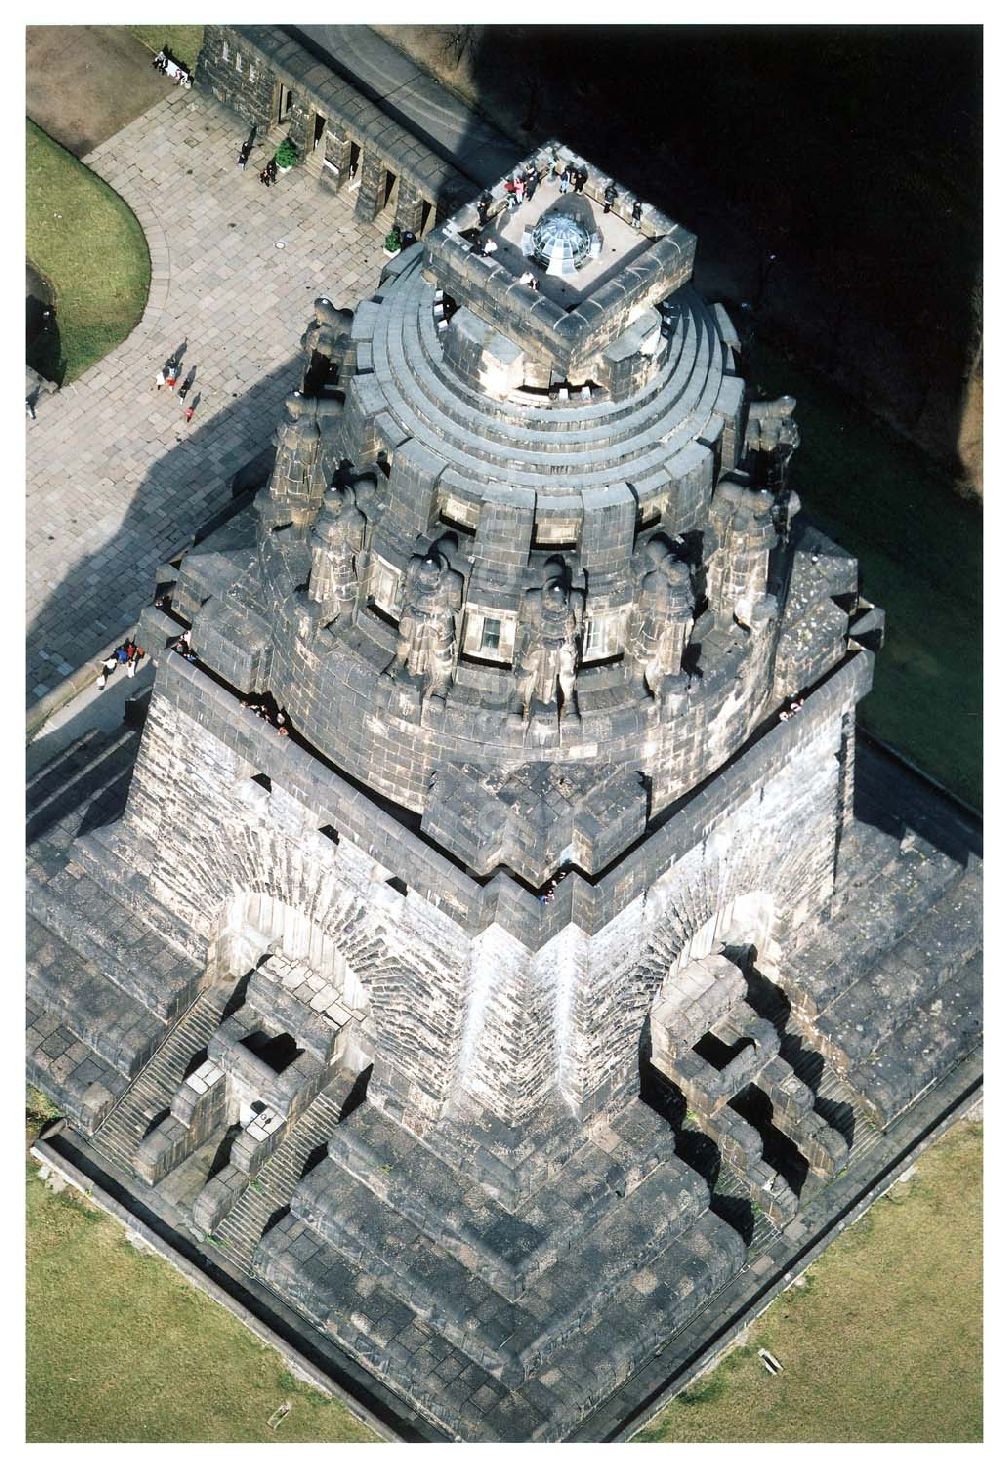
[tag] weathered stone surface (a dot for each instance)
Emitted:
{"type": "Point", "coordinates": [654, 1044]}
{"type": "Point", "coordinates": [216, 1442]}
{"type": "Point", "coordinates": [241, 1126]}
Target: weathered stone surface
{"type": "Point", "coordinates": [497, 998]}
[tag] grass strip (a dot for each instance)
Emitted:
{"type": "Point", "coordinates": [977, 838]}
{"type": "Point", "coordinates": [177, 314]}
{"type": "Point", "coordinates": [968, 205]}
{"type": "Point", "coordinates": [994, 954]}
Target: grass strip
{"type": "Point", "coordinates": [880, 1341]}
{"type": "Point", "coordinates": [121, 1349]}
{"type": "Point", "coordinates": [182, 41]}
{"type": "Point", "coordinates": [89, 246]}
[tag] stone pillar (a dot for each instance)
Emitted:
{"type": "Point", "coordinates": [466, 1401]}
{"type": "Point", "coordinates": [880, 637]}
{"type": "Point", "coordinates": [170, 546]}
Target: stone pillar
{"type": "Point", "coordinates": [409, 206]}
{"type": "Point", "coordinates": [372, 173]}
{"type": "Point", "coordinates": [338, 152]}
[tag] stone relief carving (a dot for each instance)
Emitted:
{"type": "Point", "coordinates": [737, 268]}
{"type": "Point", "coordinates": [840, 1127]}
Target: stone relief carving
{"type": "Point", "coordinates": [548, 649]}
{"type": "Point", "coordinates": [336, 542]}
{"type": "Point", "coordinates": [662, 615]}
{"type": "Point", "coordinates": [427, 640]}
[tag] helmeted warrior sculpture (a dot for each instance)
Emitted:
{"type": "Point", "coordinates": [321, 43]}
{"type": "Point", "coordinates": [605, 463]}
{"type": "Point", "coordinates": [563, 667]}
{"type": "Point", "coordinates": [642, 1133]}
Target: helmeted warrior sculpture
{"type": "Point", "coordinates": [427, 643]}
{"type": "Point", "coordinates": [548, 650]}
{"type": "Point", "coordinates": [328, 347]}
{"type": "Point", "coordinates": [771, 438]}
{"type": "Point", "coordinates": [337, 540]}
{"type": "Point", "coordinates": [662, 614]}
{"type": "Point", "coordinates": [742, 523]}
{"type": "Point", "coordinates": [296, 484]}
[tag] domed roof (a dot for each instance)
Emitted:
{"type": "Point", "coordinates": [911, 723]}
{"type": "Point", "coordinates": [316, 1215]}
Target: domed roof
{"type": "Point", "coordinates": [562, 237]}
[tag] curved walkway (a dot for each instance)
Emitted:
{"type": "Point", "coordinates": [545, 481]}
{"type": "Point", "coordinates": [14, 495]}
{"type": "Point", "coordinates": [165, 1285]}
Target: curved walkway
{"type": "Point", "coordinates": [117, 482]}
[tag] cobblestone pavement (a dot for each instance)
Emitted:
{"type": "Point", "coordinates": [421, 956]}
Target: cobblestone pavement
{"type": "Point", "coordinates": [117, 482]}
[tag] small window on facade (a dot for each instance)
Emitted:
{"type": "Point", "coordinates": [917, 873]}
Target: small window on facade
{"type": "Point", "coordinates": [225, 50]}
{"type": "Point", "coordinates": [239, 61]}
{"type": "Point", "coordinates": [596, 638]}
{"type": "Point", "coordinates": [491, 635]}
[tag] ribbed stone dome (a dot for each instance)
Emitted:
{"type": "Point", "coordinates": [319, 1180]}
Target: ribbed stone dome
{"type": "Point", "coordinates": [563, 234]}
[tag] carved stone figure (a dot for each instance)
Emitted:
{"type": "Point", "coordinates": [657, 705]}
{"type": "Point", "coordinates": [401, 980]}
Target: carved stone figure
{"type": "Point", "coordinates": [771, 438]}
{"type": "Point", "coordinates": [662, 615]}
{"type": "Point", "coordinates": [336, 541]}
{"type": "Point", "coordinates": [742, 522]}
{"type": "Point", "coordinates": [549, 646]}
{"type": "Point", "coordinates": [427, 644]}
{"type": "Point", "coordinates": [297, 479]}
{"type": "Point", "coordinates": [327, 344]}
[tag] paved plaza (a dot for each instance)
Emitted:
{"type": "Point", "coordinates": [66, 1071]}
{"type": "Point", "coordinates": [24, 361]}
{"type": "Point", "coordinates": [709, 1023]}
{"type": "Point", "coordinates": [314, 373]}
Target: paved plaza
{"type": "Point", "coordinates": [117, 482]}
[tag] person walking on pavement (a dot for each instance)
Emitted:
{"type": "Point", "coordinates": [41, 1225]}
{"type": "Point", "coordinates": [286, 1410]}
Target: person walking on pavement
{"type": "Point", "coordinates": [186, 385]}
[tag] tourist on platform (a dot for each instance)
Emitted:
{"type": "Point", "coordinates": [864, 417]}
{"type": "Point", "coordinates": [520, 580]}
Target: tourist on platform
{"type": "Point", "coordinates": [531, 181]}
{"type": "Point", "coordinates": [108, 668]}
{"type": "Point", "coordinates": [610, 195]}
{"type": "Point", "coordinates": [483, 209]}
{"type": "Point", "coordinates": [636, 214]}
{"type": "Point", "coordinates": [579, 178]}
{"type": "Point", "coordinates": [135, 655]}
{"type": "Point", "coordinates": [564, 178]}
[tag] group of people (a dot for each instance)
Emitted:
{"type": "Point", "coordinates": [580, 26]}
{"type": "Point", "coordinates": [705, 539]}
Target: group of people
{"type": "Point", "coordinates": [520, 188]}
{"type": "Point", "coordinates": [167, 376]}
{"type": "Point", "coordinates": [182, 645]}
{"type": "Point", "coordinates": [127, 654]}
{"type": "Point", "coordinates": [177, 73]}
{"type": "Point", "coordinates": [549, 892]}
{"type": "Point", "coordinates": [267, 710]}
{"type": "Point", "coordinates": [269, 173]}
{"type": "Point", "coordinates": [793, 707]}
{"type": "Point", "coordinates": [573, 176]}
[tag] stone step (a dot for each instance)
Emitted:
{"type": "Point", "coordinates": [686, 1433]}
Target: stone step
{"type": "Point", "coordinates": [905, 978]}
{"type": "Point", "coordinates": [448, 1383]}
{"type": "Point", "coordinates": [51, 776]}
{"type": "Point", "coordinates": [444, 1203]}
{"type": "Point", "coordinates": [110, 1021]}
{"type": "Point", "coordinates": [683, 385]}
{"type": "Point", "coordinates": [508, 1338]}
{"type": "Point", "coordinates": [103, 764]}
{"type": "Point", "coordinates": [88, 918]}
{"type": "Point", "coordinates": [469, 440]}
{"type": "Point", "coordinates": [78, 1080]}
{"type": "Point", "coordinates": [871, 921]}
{"type": "Point", "coordinates": [151, 1094]}
{"type": "Point", "coordinates": [921, 1049]}
{"type": "Point", "coordinates": [273, 1186]}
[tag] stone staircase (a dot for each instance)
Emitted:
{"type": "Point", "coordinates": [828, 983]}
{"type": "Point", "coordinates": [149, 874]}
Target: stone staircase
{"type": "Point", "coordinates": [150, 1095]}
{"type": "Point", "coordinates": [272, 1188]}
{"type": "Point", "coordinates": [60, 793]}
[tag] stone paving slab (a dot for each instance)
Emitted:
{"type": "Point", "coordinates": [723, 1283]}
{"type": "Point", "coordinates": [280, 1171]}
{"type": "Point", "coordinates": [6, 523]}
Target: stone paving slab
{"type": "Point", "coordinates": [116, 480]}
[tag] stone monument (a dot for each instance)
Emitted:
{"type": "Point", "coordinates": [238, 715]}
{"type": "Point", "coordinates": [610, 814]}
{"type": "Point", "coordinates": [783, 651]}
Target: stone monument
{"type": "Point", "coordinates": [495, 1014]}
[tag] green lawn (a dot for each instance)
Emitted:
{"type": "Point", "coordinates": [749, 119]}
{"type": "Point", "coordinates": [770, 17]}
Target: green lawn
{"type": "Point", "coordinates": [182, 41]}
{"type": "Point", "coordinates": [921, 553]}
{"type": "Point", "coordinates": [89, 246]}
{"type": "Point", "coordinates": [883, 1341]}
{"type": "Point", "coordinates": [121, 1349]}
